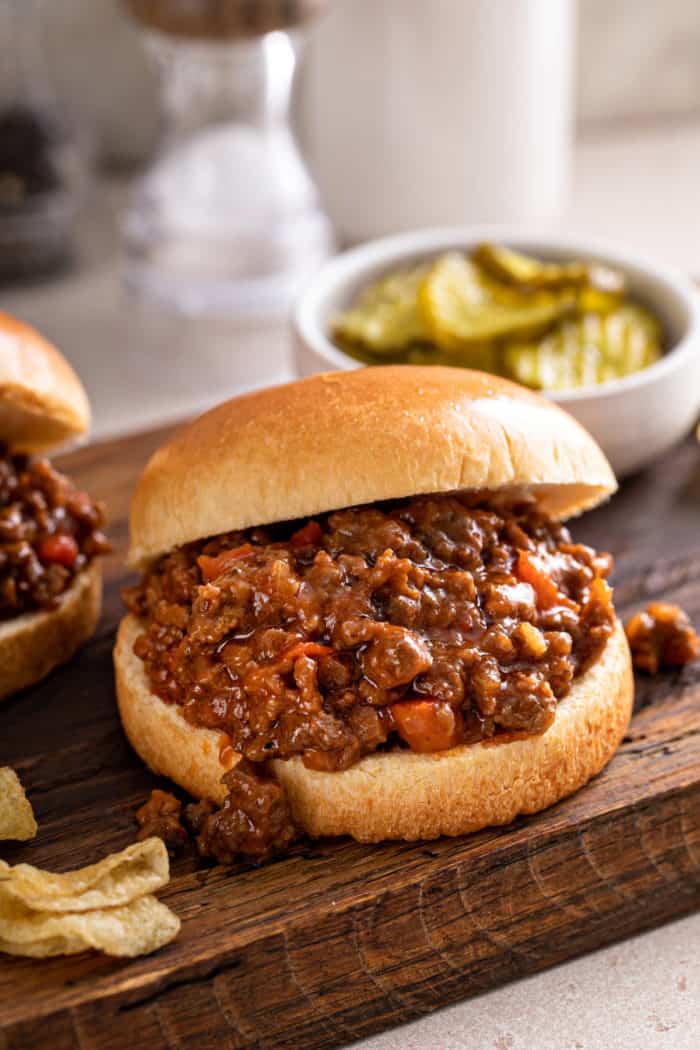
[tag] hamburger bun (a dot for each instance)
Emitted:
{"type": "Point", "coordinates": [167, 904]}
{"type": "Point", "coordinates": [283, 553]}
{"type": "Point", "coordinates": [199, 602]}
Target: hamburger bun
{"type": "Point", "coordinates": [400, 794]}
{"type": "Point", "coordinates": [42, 401]}
{"type": "Point", "coordinates": [344, 439]}
{"type": "Point", "coordinates": [33, 644]}
{"type": "Point", "coordinates": [42, 404]}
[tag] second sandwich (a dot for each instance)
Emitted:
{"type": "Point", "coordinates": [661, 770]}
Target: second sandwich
{"type": "Point", "coordinates": [50, 531]}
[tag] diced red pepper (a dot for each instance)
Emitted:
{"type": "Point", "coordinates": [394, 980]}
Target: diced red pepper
{"type": "Point", "coordinates": [211, 568]}
{"type": "Point", "coordinates": [58, 550]}
{"type": "Point", "coordinates": [428, 725]}
{"type": "Point", "coordinates": [309, 536]}
{"type": "Point", "coordinates": [314, 649]}
{"type": "Point", "coordinates": [529, 570]}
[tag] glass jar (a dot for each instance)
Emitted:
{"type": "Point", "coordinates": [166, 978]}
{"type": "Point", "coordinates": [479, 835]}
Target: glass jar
{"type": "Point", "coordinates": [42, 167]}
{"type": "Point", "coordinates": [227, 221]}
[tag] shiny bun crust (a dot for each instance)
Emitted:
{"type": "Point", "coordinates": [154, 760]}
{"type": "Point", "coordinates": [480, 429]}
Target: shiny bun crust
{"type": "Point", "coordinates": [347, 438]}
{"type": "Point", "coordinates": [33, 644]}
{"type": "Point", "coordinates": [42, 401]}
{"type": "Point", "coordinates": [400, 794]}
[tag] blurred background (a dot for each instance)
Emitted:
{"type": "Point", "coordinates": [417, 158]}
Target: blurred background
{"type": "Point", "coordinates": [173, 171]}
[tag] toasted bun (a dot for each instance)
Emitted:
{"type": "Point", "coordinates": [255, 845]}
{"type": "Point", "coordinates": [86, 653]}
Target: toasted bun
{"type": "Point", "coordinates": [42, 401]}
{"type": "Point", "coordinates": [400, 794]}
{"type": "Point", "coordinates": [348, 438]}
{"type": "Point", "coordinates": [33, 644]}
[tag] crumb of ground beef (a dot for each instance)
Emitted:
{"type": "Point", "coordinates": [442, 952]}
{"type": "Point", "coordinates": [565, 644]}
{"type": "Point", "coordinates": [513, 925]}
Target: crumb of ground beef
{"type": "Point", "coordinates": [254, 822]}
{"type": "Point", "coordinates": [160, 816]}
{"type": "Point", "coordinates": [661, 636]}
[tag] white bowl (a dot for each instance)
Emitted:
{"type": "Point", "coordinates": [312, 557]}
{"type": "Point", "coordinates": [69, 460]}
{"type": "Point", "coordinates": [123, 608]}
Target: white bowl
{"type": "Point", "coordinates": [634, 419]}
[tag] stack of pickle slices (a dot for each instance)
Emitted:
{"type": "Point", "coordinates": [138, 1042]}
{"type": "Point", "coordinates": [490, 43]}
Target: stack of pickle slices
{"type": "Point", "coordinates": [547, 325]}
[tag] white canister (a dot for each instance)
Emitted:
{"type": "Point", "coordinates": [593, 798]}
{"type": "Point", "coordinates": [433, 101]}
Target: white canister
{"type": "Point", "coordinates": [428, 112]}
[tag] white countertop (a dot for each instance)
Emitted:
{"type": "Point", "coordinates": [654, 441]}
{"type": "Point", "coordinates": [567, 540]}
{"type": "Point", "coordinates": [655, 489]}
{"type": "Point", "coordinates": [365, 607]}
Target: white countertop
{"type": "Point", "coordinates": [142, 368]}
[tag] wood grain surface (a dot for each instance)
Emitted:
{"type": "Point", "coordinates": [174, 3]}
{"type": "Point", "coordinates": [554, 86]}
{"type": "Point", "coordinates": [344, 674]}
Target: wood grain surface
{"type": "Point", "coordinates": [340, 940]}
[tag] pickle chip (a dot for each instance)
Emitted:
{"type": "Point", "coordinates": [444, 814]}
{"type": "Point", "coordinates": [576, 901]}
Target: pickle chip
{"type": "Point", "coordinates": [16, 814]}
{"type": "Point", "coordinates": [513, 267]}
{"type": "Point", "coordinates": [461, 310]}
{"type": "Point", "coordinates": [385, 317]}
{"type": "Point", "coordinates": [548, 325]}
{"type": "Point", "coordinates": [600, 289]}
{"type": "Point", "coordinates": [592, 349]}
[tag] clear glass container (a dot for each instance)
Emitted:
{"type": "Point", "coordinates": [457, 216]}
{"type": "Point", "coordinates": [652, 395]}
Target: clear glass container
{"type": "Point", "coordinates": [42, 166]}
{"type": "Point", "coordinates": [227, 221]}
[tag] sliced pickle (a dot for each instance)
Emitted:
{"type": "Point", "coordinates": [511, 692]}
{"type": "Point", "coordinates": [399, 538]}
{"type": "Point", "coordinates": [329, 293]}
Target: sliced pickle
{"type": "Point", "coordinates": [524, 271]}
{"type": "Point", "coordinates": [601, 288]}
{"type": "Point", "coordinates": [554, 326]}
{"type": "Point", "coordinates": [597, 301]}
{"type": "Point", "coordinates": [461, 310]}
{"type": "Point", "coordinates": [632, 341]}
{"type": "Point", "coordinates": [603, 292]}
{"type": "Point", "coordinates": [589, 350]}
{"type": "Point", "coordinates": [385, 317]}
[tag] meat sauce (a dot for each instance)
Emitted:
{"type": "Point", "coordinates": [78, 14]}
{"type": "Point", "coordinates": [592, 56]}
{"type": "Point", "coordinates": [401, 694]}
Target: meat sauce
{"type": "Point", "coordinates": [423, 623]}
{"type": "Point", "coordinates": [160, 815]}
{"type": "Point", "coordinates": [49, 532]}
{"type": "Point", "coordinates": [661, 636]}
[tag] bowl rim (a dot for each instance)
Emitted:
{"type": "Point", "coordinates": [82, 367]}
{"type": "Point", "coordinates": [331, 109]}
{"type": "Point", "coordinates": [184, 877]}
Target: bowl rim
{"type": "Point", "coordinates": [348, 267]}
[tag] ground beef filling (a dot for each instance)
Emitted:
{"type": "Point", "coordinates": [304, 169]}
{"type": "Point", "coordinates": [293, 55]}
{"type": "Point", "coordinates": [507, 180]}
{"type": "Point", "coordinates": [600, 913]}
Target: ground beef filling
{"type": "Point", "coordinates": [255, 820]}
{"type": "Point", "coordinates": [160, 815]}
{"type": "Point", "coordinates": [49, 532]}
{"type": "Point", "coordinates": [661, 636]}
{"type": "Point", "coordinates": [423, 623]}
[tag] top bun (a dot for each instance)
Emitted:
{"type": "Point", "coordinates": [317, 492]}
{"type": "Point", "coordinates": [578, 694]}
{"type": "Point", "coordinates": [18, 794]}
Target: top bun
{"type": "Point", "coordinates": [42, 401]}
{"type": "Point", "coordinates": [346, 438]}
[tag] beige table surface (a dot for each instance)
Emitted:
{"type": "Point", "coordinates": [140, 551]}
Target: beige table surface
{"type": "Point", "coordinates": [142, 368]}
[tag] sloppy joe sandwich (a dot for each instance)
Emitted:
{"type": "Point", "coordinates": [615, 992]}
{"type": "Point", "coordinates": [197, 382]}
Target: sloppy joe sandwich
{"type": "Point", "coordinates": [359, 611]}
{"type": "Point", "coordinates": [50, 531]}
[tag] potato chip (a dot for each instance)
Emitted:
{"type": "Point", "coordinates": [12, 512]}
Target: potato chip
{"type": "Point", "coordinates": [117, 879]}
{"type": "Point", "coordinates": [16, 815]}
{"type": "Point", "coordinates": [107, 906]}
{"type": "Point", "coordinates": [137, 928]}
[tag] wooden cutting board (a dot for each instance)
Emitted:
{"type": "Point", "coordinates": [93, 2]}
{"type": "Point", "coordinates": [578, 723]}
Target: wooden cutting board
{"type": "Point", "coordinates": [340, 940]}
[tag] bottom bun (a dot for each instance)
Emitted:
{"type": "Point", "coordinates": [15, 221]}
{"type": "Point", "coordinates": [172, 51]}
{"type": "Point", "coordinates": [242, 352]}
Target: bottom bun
{"type": "Point", "coordinates": [401, 794]}
{"type": "Point", "coordinates": [33, 644]}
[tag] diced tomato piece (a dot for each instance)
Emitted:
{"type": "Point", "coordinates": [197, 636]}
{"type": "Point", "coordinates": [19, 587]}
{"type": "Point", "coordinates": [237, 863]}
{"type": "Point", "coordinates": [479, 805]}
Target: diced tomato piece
{"type": "Point", "coordinates": [529, 570]}
{"type": "Point", "coordinates": [308, 536]}
{"type": "Point", "coordinates": [58, 550]}
{"type": "Point", "coordinates": [217, 566]}
{"type": "Point", "coordinates": [428, 725]}
{"type": "Point", "coordinates": [314, 649]}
